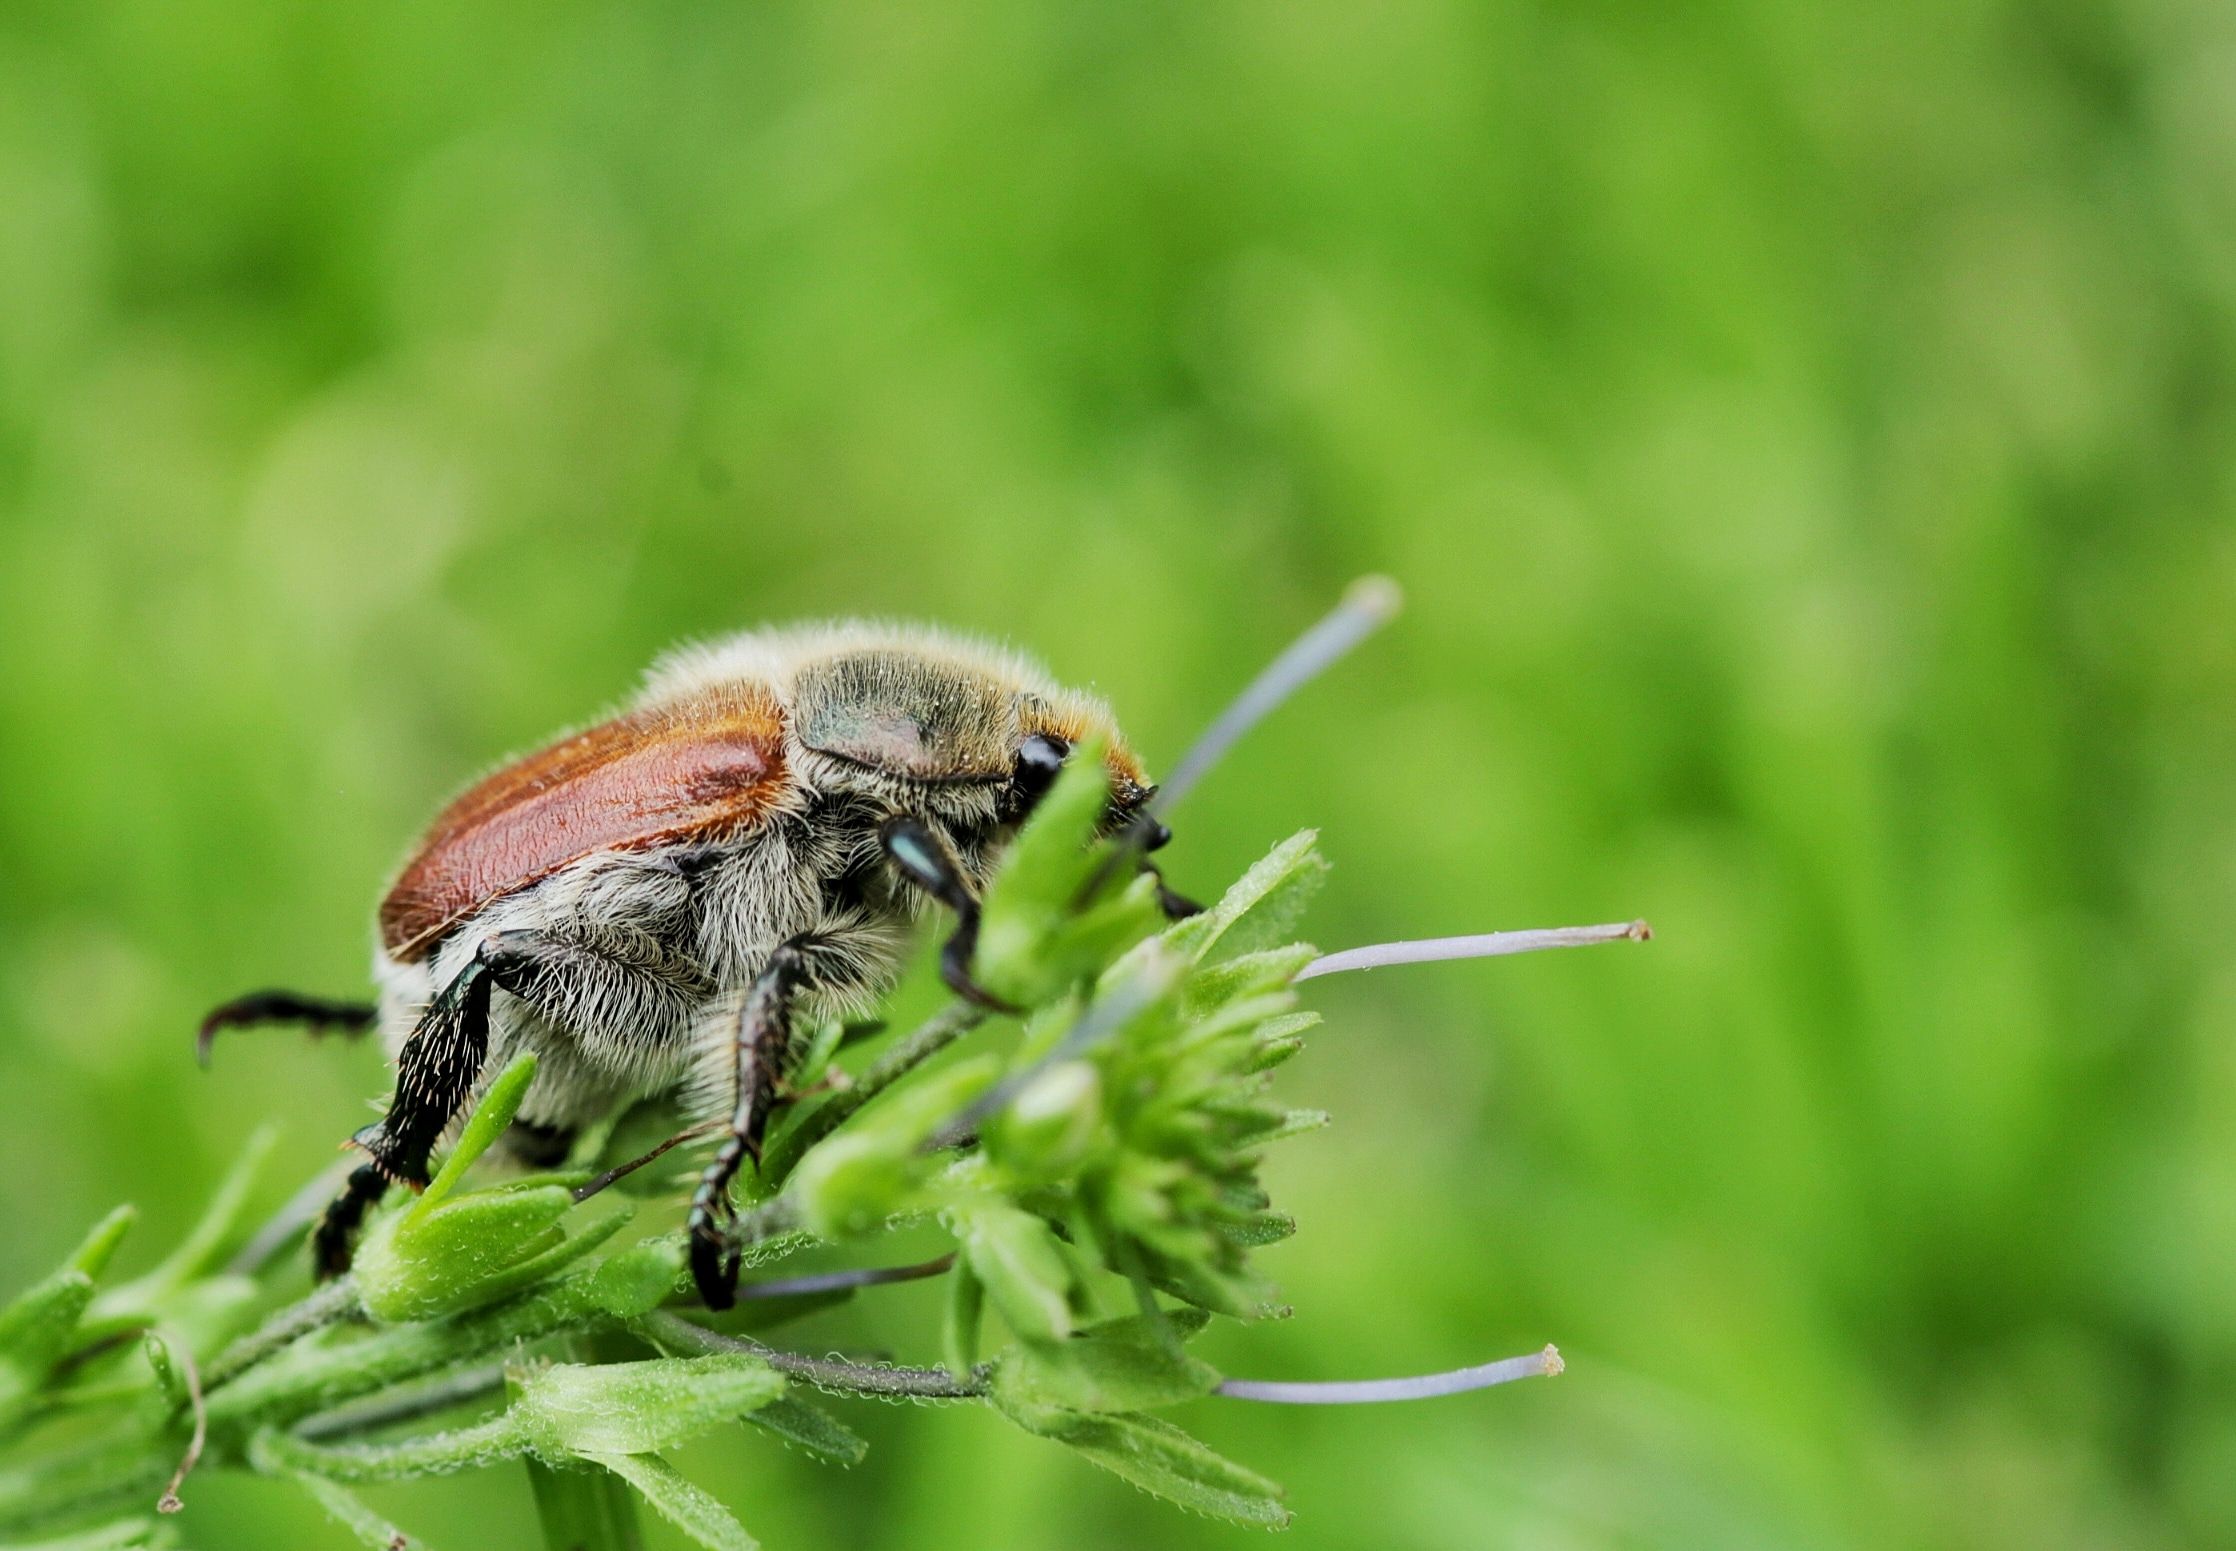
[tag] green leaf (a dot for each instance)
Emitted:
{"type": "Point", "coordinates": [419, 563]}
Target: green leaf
{"type": "Point", "coordinates": [1278, 1038]}
{"type": "Point", "coordinates": [38, 1328]}
{"type": "Point", "coordinates": [1262, 907]}
{"type": "Point", "coordinates": [811, 1428]}
{"type": "Point", "coordinates": [92, 1257]}
{"type": "Point", "coordinates": [638, 1279]}
{"type": "Point", "coordinates": [1260, 1228]}
{"type": "Point", "coordinates": [822, 1044]}
{"type": "Point", "coordinates": [472, 1251]}
{"type": "Point", "coordinates": [1044, 1133]}
{"type": "Point", "coordinates": [487, 1123]}
{"type": "Point", "coordinates": [639, 1407]}
{"type": "Point", "coordinates": [1294, 1122]}
{"type": "Point", "coordinates": [130, 1535]}
{"type": "Point", "coordinates": [1050, 861]}
{"type": "Point", "coordinates": [1244, 975]}
{"type": "Point", "coordinates": [1034, 940]}
{"type": "Point", "coordinates": [1016, 1256]}
{"type": "Point", "coordinates": [965, 1312]}
{"type": "Point", "coordinates": [45, 1323]}
{"type": "Point", "coordinates": [447, 1253]}
{"type": "Point", "coordinates": [1131, 1364]}
{"type": "Point", "coordinates": [1166, 1462]}
{"type": "Point", "coordinates": [169, 1382]}
{"type": "Point", "coordinates": [501, 1437]}
{"type": "Point", "coordinates": [682, 1504]}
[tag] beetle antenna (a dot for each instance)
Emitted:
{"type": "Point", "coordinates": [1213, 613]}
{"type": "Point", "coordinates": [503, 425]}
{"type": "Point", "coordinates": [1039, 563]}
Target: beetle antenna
{"type": "Point", "coordinates": [1487, 945]}
{"type": "Point", "coordinates": [1368, 604]}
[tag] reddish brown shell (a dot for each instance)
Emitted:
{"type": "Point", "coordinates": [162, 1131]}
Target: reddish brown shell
{"type": "Point", "coordinates": [689, 770]}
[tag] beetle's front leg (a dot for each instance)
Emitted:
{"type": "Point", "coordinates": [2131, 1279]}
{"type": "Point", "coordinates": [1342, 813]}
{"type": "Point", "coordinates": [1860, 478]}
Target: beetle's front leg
{"type": "Point", "coordinates": [1176, 907]}
{"type": "Point", "coordinates": [435, 1071]}
{"type": "Point", "coordinates": [926, 861]}
{"type": "Point", "coordinates": [764, 1032]}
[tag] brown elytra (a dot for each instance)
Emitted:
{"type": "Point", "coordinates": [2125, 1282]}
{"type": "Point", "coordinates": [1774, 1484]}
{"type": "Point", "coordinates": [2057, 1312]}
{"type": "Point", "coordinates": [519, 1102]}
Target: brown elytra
{"type": "Point", "coordinates": [681, 771]}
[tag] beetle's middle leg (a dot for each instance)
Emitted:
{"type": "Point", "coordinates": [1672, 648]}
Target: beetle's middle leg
{"type": "Point", "coordinates": [764, 1032]}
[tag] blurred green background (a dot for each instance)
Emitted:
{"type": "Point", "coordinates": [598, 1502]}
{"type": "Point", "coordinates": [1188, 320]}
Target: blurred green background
{"type": "Point", "coordinates": [1805, 434]}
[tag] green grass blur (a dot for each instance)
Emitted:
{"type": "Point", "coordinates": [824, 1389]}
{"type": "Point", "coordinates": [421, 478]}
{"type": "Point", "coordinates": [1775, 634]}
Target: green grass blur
{"type": "Point", "coordinates": [1806, 435]}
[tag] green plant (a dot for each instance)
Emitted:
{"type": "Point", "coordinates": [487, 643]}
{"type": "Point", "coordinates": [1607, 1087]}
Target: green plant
{"type": "Point", "coordinates": [1098, 1181]}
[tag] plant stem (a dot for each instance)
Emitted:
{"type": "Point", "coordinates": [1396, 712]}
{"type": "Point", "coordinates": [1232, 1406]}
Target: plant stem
{"type": "Point", "coordinates": [582, 1509]}
{"type": "Point", "coordinates": [405, 1403]}
{"type": "Point", "coordinates": [833, 1375]}
{"type": "Point", "coordinates": [306, 1379]}
{"type": "Point", "coordinates": [335, 1301]}
{"type": "Point", "coordinates": [484, 1443]}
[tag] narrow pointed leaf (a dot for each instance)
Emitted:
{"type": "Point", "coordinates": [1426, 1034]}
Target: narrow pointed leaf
{"type": "Point", "coordinates": [422, 1454]}
{"type": "Point", "coordinates": [809, 1427]}
{"type": "Point", "coordinates": [1261, 908]}
{"type": "Point", "coordinates": [488, 1122]}
{"type": "Point", "coordinates": [348, 1510]}
{"type": "Point", "coordinates": [688, 1507]}
{"type": "Point", "coordinates": [1166, 1462]}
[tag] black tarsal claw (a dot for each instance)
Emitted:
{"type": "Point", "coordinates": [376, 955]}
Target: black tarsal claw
{"type": "Point", "coordinates": [1177, 907]}
{"type": "Point", "coordinates": [955, 966]}
{"type": "Point", "coordinates": [955, 973]}
{"type": "Point", "coordinates": [714, 1266]}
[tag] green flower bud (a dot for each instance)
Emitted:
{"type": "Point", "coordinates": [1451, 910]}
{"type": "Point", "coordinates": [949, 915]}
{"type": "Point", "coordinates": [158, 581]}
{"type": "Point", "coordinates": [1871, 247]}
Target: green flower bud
{"type": "Point", "coordinates": [448, 1252]}
{"type": "Point", "coordinates": [1023, 1268]}
{"type": "Point", "coordinates": [470, 1251]}
{"type": "Point", "coordinates": [1048, 1129]}
{"type": "Point", "coordinates": [851, 1183]}
{"type": "Point", "coordinates": [877, 1166]}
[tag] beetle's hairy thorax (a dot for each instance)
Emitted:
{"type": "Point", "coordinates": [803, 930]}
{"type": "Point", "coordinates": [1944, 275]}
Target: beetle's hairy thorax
{"type": "Point", "coordinates": [693, 922]}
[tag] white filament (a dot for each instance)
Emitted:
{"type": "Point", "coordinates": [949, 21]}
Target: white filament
{"type": "Point", "coordinates": [1370, 1391]}
{"type": "Point", "coordinates": [1370, 603]}
{"type": "Point", "coordinates": [1487, 945]}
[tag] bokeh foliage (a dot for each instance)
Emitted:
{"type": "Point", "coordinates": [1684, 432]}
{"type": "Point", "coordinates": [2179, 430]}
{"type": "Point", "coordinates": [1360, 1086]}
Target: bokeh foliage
{"type": "Point", "coordinates": [1804, 434]}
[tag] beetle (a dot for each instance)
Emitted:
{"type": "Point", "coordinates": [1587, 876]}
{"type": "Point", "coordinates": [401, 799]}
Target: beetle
{"type": "Point", "coordinates": [652, 902]}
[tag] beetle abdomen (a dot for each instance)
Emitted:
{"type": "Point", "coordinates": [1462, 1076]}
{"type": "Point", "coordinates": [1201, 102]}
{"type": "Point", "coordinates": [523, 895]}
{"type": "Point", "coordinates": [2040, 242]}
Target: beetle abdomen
{"type": "Point", "coordinates": [683, 770]}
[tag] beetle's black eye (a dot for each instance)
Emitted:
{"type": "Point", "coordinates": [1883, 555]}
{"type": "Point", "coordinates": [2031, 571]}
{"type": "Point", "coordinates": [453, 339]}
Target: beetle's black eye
{"type": "Point", "coordinates": [1040, 759]}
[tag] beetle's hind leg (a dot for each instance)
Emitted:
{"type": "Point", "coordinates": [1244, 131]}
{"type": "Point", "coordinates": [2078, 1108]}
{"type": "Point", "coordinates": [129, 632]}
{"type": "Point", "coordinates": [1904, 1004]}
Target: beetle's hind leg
{"type": "Point", "coordinates": [317, 1013]}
